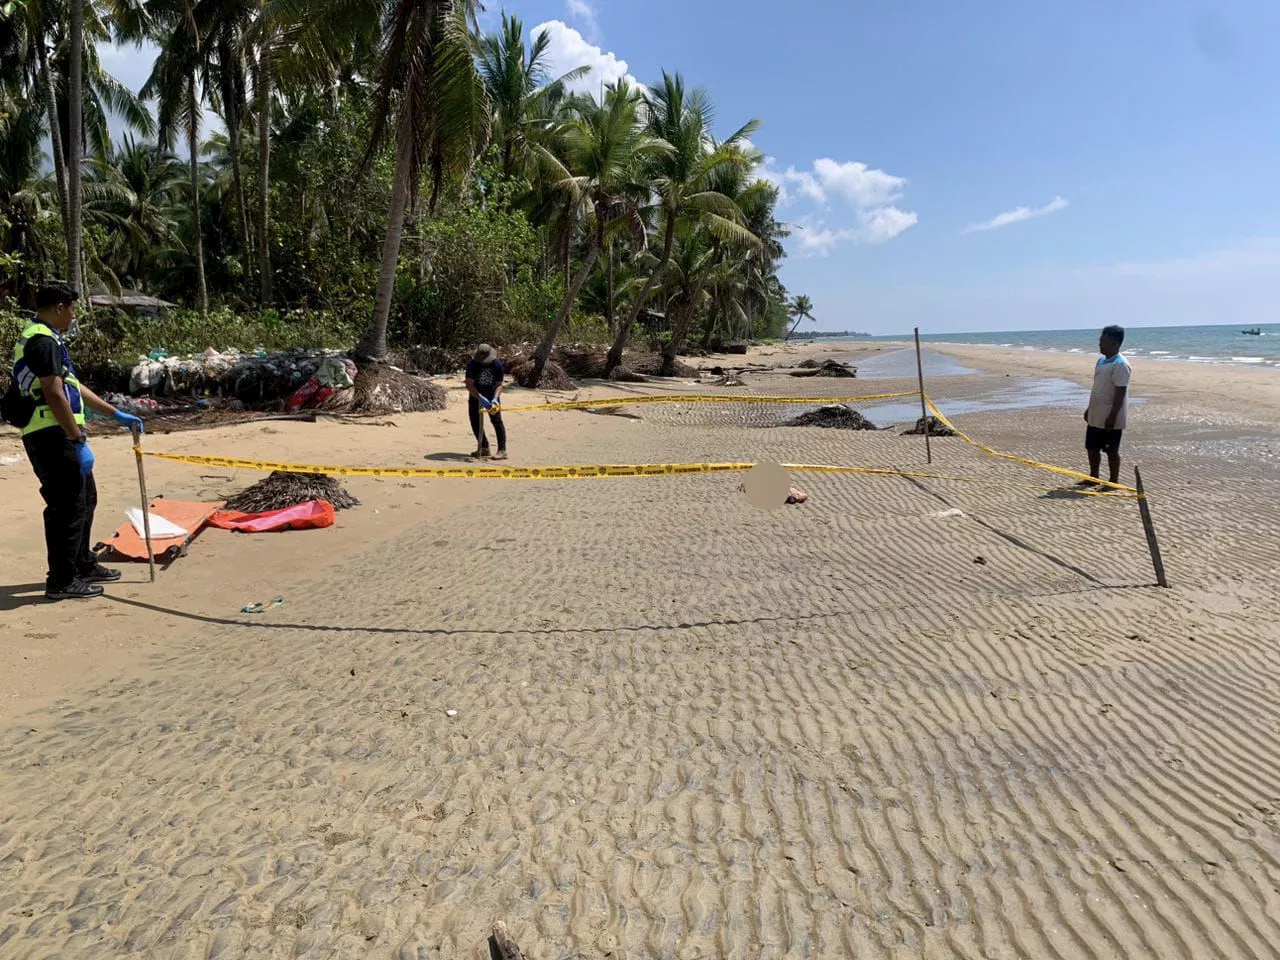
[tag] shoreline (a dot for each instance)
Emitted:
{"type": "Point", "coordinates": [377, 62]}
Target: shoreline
{"type": "Point", "coordinates": [1242, 361]}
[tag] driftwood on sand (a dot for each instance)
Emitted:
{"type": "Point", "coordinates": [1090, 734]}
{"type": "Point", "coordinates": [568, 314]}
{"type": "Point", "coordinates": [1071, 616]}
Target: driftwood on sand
{"type": "Point", "coordinates": [828, 368]}
{"type": "Point", "coordinates": [936, 429]}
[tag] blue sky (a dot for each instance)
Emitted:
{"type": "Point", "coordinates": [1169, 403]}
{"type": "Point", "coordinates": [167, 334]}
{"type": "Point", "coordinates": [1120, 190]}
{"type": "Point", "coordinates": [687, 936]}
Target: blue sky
{"type": "Point", "coordinates": [987, 164]}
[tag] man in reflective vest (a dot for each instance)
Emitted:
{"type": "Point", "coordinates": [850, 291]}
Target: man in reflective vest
{"type": "Point", "coordinates": [57, 445]}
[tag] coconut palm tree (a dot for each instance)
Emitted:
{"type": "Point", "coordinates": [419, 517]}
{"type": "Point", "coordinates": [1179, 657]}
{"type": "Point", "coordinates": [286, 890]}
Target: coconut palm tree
{"type": "Point", "coordinates": [35, 54]}
{"type": "Point", "coordinates": [802, 309]}
{"type": "Point", "coordinates": [135, 193]}
{"type": "Point", "coordinates": [731, 183]}
{"type": "Point", "coordinates": [601, 175]}
{"type": "Point", "coordinates": [682, 179]}
{"type": "Point", "coordinates": [75, 136]}
{"type": "Point", "coordinates": [521, 92]}
{"type": "Point", "coordinates": [430, 104]}
{"type": "Point", "coordinates": [175, 85]}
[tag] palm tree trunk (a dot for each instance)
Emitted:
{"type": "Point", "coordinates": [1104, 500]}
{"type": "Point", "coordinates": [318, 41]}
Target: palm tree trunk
{"type": "Point", "coordinates": [624, 331]}
{"type": "Point", "coordinates": [679, 332]}
{"type": "Point", "coordinates": [543, 353]}
{"type": "Point", "coordinates": [59, 158]}
{"type": "Point", "coordinates": [232, 116]}
{"type": "Point", "coordinates": [75, 137]}
{"type": "Point", "coordinates": [373, 345]}
{"type": "Point", "coordinates": [608, 287]}
{"type": "Point", "coordinates": [193, 142]}
{"type": "Point", "coordinates": [262, 91]}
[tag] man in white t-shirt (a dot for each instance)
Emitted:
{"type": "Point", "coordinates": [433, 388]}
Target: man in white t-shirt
{"type": "Point", "coordinates": [1108, 405]}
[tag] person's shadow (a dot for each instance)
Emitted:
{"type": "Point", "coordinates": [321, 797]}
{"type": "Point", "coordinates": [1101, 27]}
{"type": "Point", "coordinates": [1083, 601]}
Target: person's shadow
{"type": "Point", "coordinates": [18, 595]}
{"type": "Point", "coordinates": [450, 458]}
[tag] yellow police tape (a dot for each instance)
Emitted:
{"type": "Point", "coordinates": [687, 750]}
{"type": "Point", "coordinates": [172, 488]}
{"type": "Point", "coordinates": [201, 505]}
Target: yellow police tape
{"type": "Point", "coordinates": [607, 470]}
{"type": "Point", "coordinates": [1112, 488]}
{"type": "Point", "coordinates": [700, 398]}
{"type": "Point", "coordinates": [595, 471]}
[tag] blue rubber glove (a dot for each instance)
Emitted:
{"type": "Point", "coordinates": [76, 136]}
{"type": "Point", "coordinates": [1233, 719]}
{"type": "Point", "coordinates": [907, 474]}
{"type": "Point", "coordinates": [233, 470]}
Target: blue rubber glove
{"type": "Point", "coordinates": [84, 457]}
{"type": "Point", "coordinates": [485, 403]}
{"type": "Point", "coordinates": [127, 420]}
{"type": "Point", "coordinates": [495, 406]}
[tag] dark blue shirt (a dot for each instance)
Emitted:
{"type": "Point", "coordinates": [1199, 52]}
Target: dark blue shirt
{"type": "Point", "coordinates": [487, 376]}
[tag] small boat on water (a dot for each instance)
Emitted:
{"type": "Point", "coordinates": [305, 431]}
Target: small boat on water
{"type": "Point", "coordinates": [1255, 332]}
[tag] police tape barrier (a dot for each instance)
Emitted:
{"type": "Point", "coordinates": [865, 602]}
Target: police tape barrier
{"type": "Point", "coordinates": [593, 471]}
{"type": "Point", "coordinates": [1112, 488]}
{"type": "Point", "coordinates": [603, 470]}
{"type": "Point", "coordinates": [701, 398]}
{"type": "Point", "coordinates": [596, 471]}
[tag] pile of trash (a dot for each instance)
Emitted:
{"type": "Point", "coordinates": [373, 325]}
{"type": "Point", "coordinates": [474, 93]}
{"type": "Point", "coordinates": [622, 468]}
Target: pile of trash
{"type": "Point", "coordinates": [936, 428]}
{"type": "Point", "coordinates": [332, 388]}
{"type": "Point", "coordinates": [252, 378]}
{"type": "Point", "coordinates": [296, 380]}
{"type": "Point", "coordinates": [835, 417]}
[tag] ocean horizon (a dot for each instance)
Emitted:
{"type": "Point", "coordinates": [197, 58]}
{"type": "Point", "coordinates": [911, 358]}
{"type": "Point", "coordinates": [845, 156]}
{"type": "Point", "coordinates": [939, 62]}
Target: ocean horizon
{"type": "Point", "coordinates": [1210, 343]}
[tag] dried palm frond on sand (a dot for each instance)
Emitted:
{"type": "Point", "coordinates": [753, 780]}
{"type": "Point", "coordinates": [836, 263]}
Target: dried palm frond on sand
{"type": "Point", "coordinates": [553, 375]}
{"type": "Point", "coordinates": [835, 416]}
{"type": "Point", "coordinates": [382, 388]}
{"type": "Point", "coordinates": [282, 490]}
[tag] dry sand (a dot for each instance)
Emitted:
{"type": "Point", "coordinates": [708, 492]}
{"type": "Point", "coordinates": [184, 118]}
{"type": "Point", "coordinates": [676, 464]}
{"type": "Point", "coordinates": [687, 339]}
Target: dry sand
{"type": "Point", "coordinates": [684, 727]}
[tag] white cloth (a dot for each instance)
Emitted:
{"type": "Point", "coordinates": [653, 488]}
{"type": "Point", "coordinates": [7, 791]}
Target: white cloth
{"type": "Point", "coordinates": [160, 527]}
{"type": "Point", "coordinates": [1107, 375]}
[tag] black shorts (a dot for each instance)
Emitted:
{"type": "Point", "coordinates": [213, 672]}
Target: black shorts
{"type": "Point", "coordinates": [1104, 441]}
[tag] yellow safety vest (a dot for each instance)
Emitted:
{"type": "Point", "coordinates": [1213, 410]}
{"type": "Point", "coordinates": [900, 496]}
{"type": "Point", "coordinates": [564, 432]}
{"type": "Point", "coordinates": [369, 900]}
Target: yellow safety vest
{"type": "Point", "coordinates": [29, 384]}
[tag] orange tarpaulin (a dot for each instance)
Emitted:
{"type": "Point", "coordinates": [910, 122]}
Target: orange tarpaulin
{"type": "Point", "coordinates": [127, 544]}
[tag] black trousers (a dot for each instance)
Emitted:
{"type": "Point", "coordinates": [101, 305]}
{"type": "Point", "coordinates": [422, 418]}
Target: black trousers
{"type": "Point", "coordinates": [477, 425]}
{"type": "Point", "coordinates": [69, 502]}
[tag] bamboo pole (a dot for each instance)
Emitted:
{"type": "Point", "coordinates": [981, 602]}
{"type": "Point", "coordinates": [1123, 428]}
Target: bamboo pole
{"type": "Point", "coordinates": [146, 505]}
{"type": "Point", "coordinates": [924, 407]}
{"type": "Point", "coordinates": [1152, 544]}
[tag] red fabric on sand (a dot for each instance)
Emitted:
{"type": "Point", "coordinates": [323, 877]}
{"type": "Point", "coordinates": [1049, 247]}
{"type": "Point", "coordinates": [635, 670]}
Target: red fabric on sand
{"type": "Point", "coordinates": [312, 515]}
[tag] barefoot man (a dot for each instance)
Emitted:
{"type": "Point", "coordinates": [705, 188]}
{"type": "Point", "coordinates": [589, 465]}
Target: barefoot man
{"type": "Point", "coordinates": [1108, 404]}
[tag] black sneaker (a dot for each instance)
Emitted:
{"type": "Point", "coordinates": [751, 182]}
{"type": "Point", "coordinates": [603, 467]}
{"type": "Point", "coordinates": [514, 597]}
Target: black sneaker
{"type": "Point", "coordinates": [75, 590]}
{"type": "Point", "coordinates": [99, 574]}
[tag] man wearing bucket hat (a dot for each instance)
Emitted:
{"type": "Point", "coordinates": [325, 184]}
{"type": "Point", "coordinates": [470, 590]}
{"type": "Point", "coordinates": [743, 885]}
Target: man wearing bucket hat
{"type": "Point", "coordinates": [484, 392]}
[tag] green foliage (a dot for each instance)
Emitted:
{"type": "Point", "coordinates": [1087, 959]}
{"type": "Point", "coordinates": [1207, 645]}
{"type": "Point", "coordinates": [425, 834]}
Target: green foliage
{"type": "Point", "coordinates": [111, 336]}
{"type": "Point", "coordinates": [472, 277]}
{"type": "Point", "coordinates": [531, 212]}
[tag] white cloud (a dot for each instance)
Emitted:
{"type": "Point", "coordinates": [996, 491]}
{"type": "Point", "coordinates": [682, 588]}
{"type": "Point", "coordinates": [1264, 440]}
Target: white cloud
{"type": "Point", "coordinates": [568, 49]}
{"type": "Point", "coordinates": [1017, 215]}
{"type": "Point", "coordinates": [875, 225]}
{"type": "Point", "coordinates": [857, 183]}
{"type": "Point", "coordinates": [585, 12]}
{"type": "Point", "coordinates": [884, 223]}
{"type": "Point", "coordinates": [871, 193]}
{"type": "Point", "coordinates": [818, 241]}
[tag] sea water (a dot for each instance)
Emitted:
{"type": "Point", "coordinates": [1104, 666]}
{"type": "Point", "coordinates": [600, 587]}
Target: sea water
{"type": "Point", "coordinates": [1216, 343]}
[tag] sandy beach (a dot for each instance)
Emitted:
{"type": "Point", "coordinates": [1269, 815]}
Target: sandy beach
{"type": "Point", "coordinates": [642, 718]}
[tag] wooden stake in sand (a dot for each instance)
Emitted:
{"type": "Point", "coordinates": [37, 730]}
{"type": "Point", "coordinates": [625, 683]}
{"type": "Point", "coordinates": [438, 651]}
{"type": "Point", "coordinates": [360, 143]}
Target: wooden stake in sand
{"type": "Point", "coordinates": [924, 407]}
{"type": "Point", "coordinates": [146, 506]}
{"type": "Point", "coordinates": [1152, 544]}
